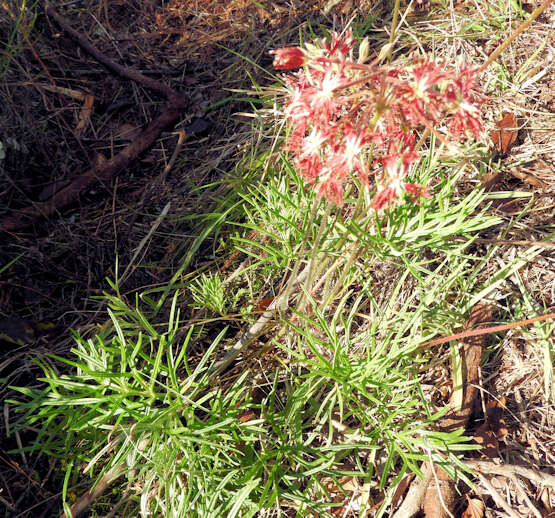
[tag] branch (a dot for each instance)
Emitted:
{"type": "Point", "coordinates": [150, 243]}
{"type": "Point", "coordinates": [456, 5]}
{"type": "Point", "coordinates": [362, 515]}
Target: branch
{"type": "Point", "coordinates": [506, 470]}
{"type": "Point", "coordinates": [105, 171]}
{"type": "Point", "coordinates": [174, 97]}
{"type": "Point", "coordinates": [102, 172]}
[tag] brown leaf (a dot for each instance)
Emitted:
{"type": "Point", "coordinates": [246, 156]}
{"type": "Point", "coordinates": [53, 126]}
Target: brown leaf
{"type": "Point", "coordinates": [495, 419]}
{"type": "Point", "coordinates": [486, 438]}
{"type": "Point", "coordinates": [84, 115]}
{"type": "Point", "coordinates": [511, 207]}
{"type": "Point", "coordinates": [262, 305]}
{"type": "Point", "coordinates": [505, 135]}
{"type": "Point", "coordinates": [528, 178]}
{"type": "Point", "coordinates": [475, 508]}
{"type": "Point", "coordinates": [494, 429]}
{"type": "Point", "coordinates": [491, 180]}
{"type": "Point", "coordinates": [247, 415]}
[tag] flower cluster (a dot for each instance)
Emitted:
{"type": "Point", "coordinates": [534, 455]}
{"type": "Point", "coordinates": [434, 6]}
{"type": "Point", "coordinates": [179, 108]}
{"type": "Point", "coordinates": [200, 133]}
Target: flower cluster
{"type": "Point", "coordinates": [349, 119]}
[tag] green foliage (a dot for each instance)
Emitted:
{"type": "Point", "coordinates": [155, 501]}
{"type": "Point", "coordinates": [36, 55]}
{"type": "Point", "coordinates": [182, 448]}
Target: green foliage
{"type": "Point", "coordinates": [208, 292]}
{"type": "Point", "coordinates": [133, 400]}
{"type": "Point", "coordinates": [344, 395]}
{"type": "Point", "coordinates": [22, 15]}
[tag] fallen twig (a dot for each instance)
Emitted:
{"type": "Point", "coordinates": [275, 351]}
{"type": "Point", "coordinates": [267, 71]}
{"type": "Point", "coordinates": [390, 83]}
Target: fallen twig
{"type": "Point", "coordinates": [106, 170]}
{"type": "Point", "coordinates": [497, 498]}
{"type": "Point", "coordinates": [422, 494]}
{"type": "Point", "coordinates": [487, 330]}
{"type": "Point", "coordinates": [176, 98]}
{"type": "Point", "coordinates": [102, 172]}
{"type": "Point", "coordinates": [489, 467]}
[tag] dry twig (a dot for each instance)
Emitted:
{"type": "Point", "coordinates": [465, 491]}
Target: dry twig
{"type": "Point", "coordinates": [498, 499]}
{"type": "Point", "coordinates": [106, 170]}
{"type": "Point", "coordinates": [424, 494]}
{"type": "Point", "coordinates": [489, 467]}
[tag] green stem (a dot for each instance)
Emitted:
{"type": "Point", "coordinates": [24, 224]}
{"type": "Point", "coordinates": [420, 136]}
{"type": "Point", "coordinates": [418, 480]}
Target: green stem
{"type": "Point", "coordinates": [315, 253]}
{"type": "Point", "coordinates": [285, 298]}
{"type": "Point", "coordinates": [354, 252]}
{"type": "Point", "coordinates": [393, 29]}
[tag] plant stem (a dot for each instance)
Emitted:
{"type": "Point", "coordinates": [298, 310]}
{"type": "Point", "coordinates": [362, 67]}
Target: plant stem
{"type": "Point", "coordinates": [284, 298]}
{"type": "Point", "coordinates": [315, 253]}
{"type": "Point", "coordinates": [523, 26]}
{"type": "Point", "coordinates": [393, 29]}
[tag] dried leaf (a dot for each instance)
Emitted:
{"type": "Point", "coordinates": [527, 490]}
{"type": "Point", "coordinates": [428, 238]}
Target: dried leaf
{"type": "Point", "coordinates": [247, 415]}
{"type": "Point", "coordinates": [545, 498]}
{"type": "Point", "coordinates": [84, 115]}
{"type": "Point", "coordinates": [506, 133]}
{"type": "Point", "coordinates": [475, 508]}
{"type": "Point", "coordinates": [262, 305]}
{"type": "Point", "coordinates": [491, 180]}
{"type": "Point", "coordinates": [494, 429]}
{"type": "Point", "coordinates": [486, 438]}
{"type": "Point", "coordinates": [495, 419]}
{"type": "Point", "coordinates": [527, 177]}
{"type": "Point", "coordinates": [74, 94]}
{"type": "Point", "coordinates": [198, 127]}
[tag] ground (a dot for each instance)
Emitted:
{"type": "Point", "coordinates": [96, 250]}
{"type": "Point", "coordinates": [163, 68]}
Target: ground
{"type": "Point", "coordinates": [63, 112]}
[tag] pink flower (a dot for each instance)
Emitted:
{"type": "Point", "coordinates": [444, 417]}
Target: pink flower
{"type": "Point", "coordinates": [395, 170]}
{"type": "Point", "coordinates": [331, 188]}
{"type": "Point", "coordinates": [463, 94]}
{"type": "Point", "coordinates": [385, 197]}
{"type": "Point", "coordinates": [419, 97]}
{"type": "Point", "coordinates": [465, 120]}
{"type": "Point", "coordinates": [346, 115]}
{"type": "Point", "coordinates": [309, 168]}
{"type": "Point", "coordinates": [414, 190]}
{"type": "Point", "coordinates": [288, 57]}
{"type": "Point", "coordinates": [324, 102]}
{"type": "Point", "coordinates": [354, 143]}
{"type": "Point", "coordinates": [312, 143]}
{"type": "Point", "coordinates": [339, 44]}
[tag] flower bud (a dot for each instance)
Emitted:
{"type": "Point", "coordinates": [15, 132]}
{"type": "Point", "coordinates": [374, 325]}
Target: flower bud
{"type": "Point", "coordinates": [363, 50]}
{"type": "Point", "coordinates": [288, 57]}
{"type": "Point", "coordinates": [385, 51]}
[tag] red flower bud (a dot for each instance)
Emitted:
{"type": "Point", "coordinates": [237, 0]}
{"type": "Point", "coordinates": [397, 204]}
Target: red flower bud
{"type": "Point", "coordinates": [288, 57]}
